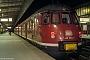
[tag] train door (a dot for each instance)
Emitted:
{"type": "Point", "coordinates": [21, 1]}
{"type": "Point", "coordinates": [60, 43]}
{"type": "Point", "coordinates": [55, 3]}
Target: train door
{"type": "Point", "coordinates": [21, 30]}
{"type": "Point", "coordinates": [18, 30]}
{"type": "Point", "coordinates": [35, 26]}
{"type": "Point", "coordinates": [26, 30]}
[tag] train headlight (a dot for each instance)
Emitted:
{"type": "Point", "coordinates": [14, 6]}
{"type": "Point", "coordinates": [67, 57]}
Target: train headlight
{"type": "Point", "coordinates": [80, 34]}
{"type": "Point", "coordinates": [52, 35]}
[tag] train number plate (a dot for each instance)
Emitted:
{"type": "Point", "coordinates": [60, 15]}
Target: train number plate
{"type": "Point", "coordinates": [70, 46]}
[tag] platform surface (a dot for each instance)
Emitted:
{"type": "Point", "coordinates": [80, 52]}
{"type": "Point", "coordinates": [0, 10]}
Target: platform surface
{"type": "Point", "coordinates": [15, 48]}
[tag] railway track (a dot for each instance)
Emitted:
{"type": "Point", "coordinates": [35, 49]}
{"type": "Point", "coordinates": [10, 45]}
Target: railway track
{"type": "Point", "coordinates": [85, 53]}
{"type": "Point", "coordinates": [70, 58]}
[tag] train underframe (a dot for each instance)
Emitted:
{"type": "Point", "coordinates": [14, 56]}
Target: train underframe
{"type": "Point", "coordinates": [56, 53]}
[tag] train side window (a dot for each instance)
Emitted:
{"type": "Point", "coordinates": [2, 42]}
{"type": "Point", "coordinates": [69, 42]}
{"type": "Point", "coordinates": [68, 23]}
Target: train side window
{"type": "Point", "coordinates": [66, 18]}
{"type": "Point", "coordinates": [46, 19]}
{"type": "Point", "coordinates": [55, 18]}
{"type": "Point", "coordinates": [75, 18]}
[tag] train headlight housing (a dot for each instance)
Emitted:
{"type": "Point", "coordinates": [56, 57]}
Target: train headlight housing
{"type": "Point", "coordinates": [52, 35]}
{"type": "Point", "coordinates": [80, 34]}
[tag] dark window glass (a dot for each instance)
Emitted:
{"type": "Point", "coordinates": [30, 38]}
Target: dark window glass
{"type": "Point", "coordinates": [75, 18]}
{"type": "Point", "coordinates": [55, 18]}
{"type": "Point", "coordinates": [66, 18]}
{"type": "Point", "coordinates": [46, 18]}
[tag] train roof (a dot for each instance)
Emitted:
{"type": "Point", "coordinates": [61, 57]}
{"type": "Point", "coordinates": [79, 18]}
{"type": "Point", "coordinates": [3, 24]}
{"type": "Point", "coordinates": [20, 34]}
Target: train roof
{"type": "Point", "coordinates": [54, 7]}
{"type": "Point", "coordinates": [51, 7]}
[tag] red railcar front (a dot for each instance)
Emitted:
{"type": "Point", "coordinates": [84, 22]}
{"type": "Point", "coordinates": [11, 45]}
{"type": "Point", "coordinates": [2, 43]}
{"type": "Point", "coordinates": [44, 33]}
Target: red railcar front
{"type": "Point", "coordinates": [61, 28]}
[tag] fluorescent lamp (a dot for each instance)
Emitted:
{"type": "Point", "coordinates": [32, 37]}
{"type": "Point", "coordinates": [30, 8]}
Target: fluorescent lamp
{"type": "Point", "coordinates": [4, 19]}
{"type": "Point", "coordinates": [9, 27]}
{"type": "Point", "coordinates": [82, 22]}
{"type": "Point", "coordinates": [6, 29]}
{"type": "Point", "coordinates": [2, 14]}
{"type": "Point", "coordinates": [19, 27]}
{"type": "Point", "coordinates": [16, 27]}
{"type": "Point", "coordinates": [0, 9]}
{"type": "Point", "coordinates": [10, 19]}
{"type": "Point", "coordinates": [84, 19]}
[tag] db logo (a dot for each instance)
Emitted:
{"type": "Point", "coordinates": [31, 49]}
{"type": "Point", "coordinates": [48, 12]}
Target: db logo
{"type": "Point", "coordinates": [68, 33]}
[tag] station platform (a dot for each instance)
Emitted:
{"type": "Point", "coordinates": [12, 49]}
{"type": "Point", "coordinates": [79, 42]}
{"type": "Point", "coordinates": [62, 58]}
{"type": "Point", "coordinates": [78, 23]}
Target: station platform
{"type": "Point", "coordinates": [15, 48]}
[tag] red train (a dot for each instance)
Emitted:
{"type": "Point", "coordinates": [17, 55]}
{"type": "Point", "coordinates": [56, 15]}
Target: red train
{"type": "Point", "coordinates": [56, 28]}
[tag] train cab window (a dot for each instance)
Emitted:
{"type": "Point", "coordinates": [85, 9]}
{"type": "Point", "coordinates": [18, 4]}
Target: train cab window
{"type": "Point", "coordinates": [55, 18]}
{"type": "Point", "coordinates": [46, 18]}
{"type": "Point", "coordinates": [75, 18]}
{"type": "Point", "coordinates": [66, 18]}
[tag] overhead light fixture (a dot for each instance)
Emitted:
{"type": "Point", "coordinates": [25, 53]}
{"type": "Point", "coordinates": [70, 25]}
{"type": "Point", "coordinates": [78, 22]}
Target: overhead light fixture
{"type": "Point", "coordinates": [16, 27]}
{"type": "Point", "coordinates": [2, 14]}
{"type": "Point", "coordinates": [10, 19]}
{"type": "Point", "coordinates": [4, 19]}
{"type": "Point", "coordinates": [9, 27]}
{"type": "Point", "coordinates": [6, 29]}
{"type": "Point", "coordinates": [0, 9]}
{"type": "Point", "coordinates": [86, 10]}
{"type": "Point", "coordinates": [83, 22]}
{"type": "Point", "coordinates": [84, 19]}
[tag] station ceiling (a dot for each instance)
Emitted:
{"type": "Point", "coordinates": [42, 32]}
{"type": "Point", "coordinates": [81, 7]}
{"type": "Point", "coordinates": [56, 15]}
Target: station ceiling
{"type": "Point", "coordinates": [9, 10]}
{"type": "Point", "coordinates": [12, 9]}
